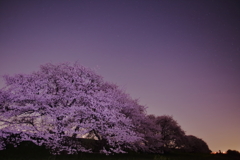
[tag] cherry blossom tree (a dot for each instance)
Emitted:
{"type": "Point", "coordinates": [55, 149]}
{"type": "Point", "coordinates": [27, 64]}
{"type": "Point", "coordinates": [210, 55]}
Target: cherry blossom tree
{"type": "Point", "coordinates": [68, 101]}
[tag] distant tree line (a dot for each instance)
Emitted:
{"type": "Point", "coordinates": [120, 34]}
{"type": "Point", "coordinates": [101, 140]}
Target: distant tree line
{"type": "Point", "coordinates": [70, 109]}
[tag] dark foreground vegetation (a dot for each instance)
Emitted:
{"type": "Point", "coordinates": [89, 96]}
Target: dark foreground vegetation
{"type": "Point", "coordinates": [33, 152]}
{"type": "Point", "coordinates": [130, 156]}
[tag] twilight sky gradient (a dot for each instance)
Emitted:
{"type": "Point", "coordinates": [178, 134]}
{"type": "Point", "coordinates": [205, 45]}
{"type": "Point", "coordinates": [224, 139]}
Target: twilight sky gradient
{"type": "Point", "coordinates": [180, 58]}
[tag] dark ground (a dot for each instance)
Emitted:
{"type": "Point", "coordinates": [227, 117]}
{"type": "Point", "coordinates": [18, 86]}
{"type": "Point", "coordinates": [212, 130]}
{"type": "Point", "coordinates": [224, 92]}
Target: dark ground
{"type": "Point", "coordinates": [28, 151]}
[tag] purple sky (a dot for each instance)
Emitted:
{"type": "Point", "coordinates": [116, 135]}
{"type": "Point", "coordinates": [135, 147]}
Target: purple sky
{"type": "Point", "coordinates": [180, 58]}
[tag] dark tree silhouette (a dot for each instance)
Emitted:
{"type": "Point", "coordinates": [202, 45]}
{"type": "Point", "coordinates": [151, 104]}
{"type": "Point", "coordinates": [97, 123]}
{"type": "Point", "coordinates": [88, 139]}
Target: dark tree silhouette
{"type": "Point", "coordinates": [232, 152]}
{"type": "Point", "coordinates": [193, 144]}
